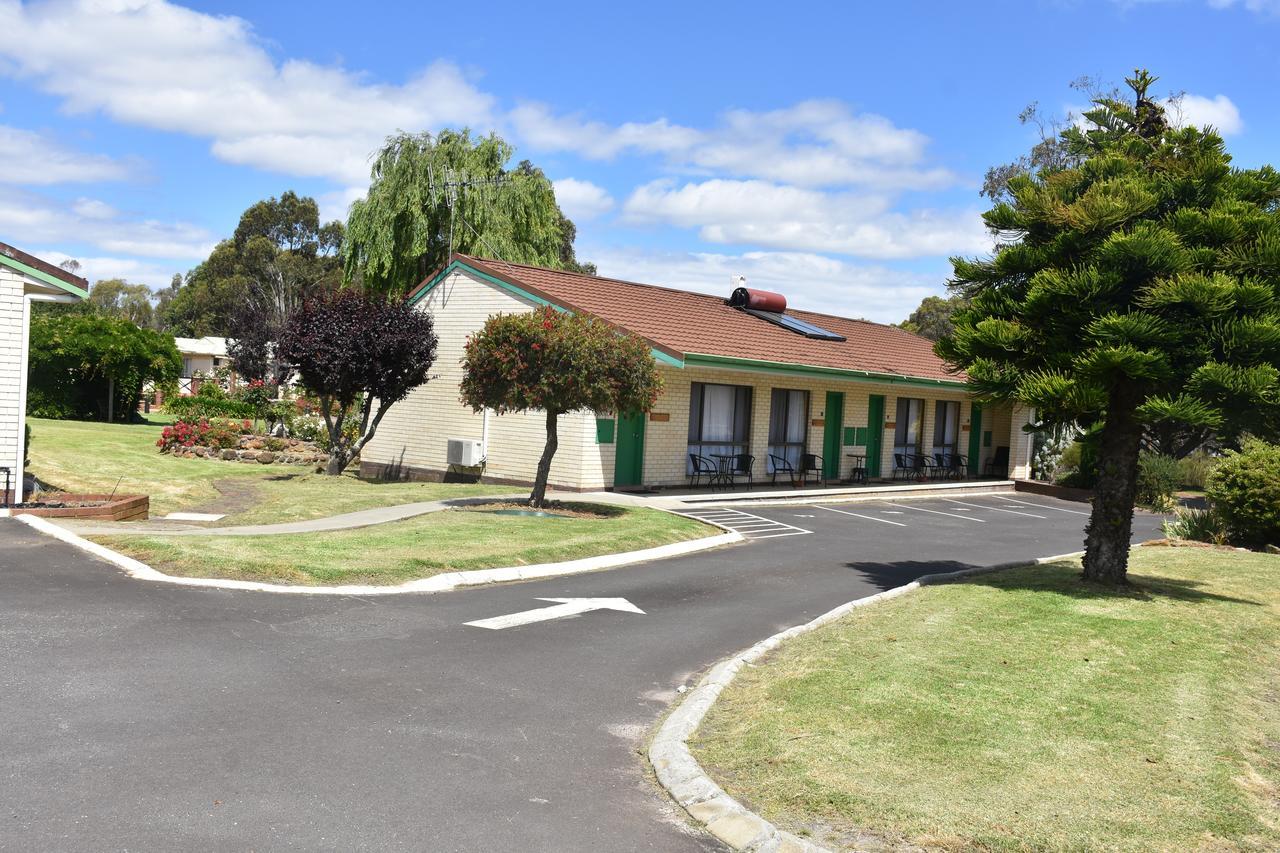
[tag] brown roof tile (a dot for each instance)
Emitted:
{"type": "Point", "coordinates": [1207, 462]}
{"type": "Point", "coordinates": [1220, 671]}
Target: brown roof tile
{"type": "Point", "coordinates": [683, 323]}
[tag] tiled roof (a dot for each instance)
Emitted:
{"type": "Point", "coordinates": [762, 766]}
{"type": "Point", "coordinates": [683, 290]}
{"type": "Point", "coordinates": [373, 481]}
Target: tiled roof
{"type": "Point", "coordinates": [684, 323]}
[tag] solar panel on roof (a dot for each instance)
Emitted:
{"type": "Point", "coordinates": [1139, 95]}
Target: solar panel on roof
{"type": "Point", "coordinates": [795, 324]}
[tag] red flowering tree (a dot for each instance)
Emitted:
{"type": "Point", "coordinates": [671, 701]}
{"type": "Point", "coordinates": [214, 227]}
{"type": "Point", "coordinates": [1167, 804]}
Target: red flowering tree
{"type": "Point", "coordinates": [556, 362]}
{"type": "Point", "coordinates": [359, 354]}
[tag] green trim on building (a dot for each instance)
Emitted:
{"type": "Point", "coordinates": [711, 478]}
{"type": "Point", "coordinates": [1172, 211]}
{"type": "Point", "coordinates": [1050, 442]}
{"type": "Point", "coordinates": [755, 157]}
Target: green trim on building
{"type": "Point", "coordinates": [786, 369]}
{"type": "Point", "coordinates": [604, 430]}
{"type": "Point", "coordinates": [41, 275]}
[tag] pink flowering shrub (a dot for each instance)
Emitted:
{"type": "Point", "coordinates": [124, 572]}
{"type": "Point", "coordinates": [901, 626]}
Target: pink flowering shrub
{"type": "Point", "coordinates": [203, 433]}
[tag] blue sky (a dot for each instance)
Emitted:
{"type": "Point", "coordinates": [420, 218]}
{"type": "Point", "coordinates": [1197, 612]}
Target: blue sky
{"type": "Point", "coordinates": [829, 151]}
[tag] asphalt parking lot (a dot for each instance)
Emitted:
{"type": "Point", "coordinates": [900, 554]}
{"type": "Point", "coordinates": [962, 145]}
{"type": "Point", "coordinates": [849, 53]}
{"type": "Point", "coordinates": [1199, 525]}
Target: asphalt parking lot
{"type": "Point", "coordinates": [147, 716]}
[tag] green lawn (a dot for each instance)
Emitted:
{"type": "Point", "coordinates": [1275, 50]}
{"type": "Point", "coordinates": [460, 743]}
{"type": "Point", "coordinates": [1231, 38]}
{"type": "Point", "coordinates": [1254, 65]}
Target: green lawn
{"type": "Point", "coordinates": [82, 456]}
{"type": "Point", "coordinates": [452, 540]}
{"type": "Point", "coordinates": [1025, 711]}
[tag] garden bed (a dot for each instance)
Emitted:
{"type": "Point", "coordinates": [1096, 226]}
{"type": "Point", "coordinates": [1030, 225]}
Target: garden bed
{"type": "Point", "coordinates": [103, 507]}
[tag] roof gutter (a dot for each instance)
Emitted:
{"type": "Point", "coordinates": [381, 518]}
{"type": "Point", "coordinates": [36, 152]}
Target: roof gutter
{"type": "Point", "coordinates": [790, 369]}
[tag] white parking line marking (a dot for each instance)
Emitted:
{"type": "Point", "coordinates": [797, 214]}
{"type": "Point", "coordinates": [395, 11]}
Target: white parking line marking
{"type": "Point", "coordinates": [939, 512]}
{"type": "Point", "coordinates": [892, 512]}
{"type": "Point", "coordinates": [996, 509]}
{"type": "Point", "coordinates": [750, 526]}
{"type": "Point", "coordinates": [858, 515]}
{"type": "Point", "coordinates": [1046, 506]}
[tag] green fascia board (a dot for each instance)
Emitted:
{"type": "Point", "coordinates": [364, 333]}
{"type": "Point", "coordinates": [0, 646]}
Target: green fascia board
{"type": "Point", "coordinates": [41, 275]}
{"type": "Point", "coordinates": [521, 292]}
{"type": "Point", "coordinates": [788, 369]}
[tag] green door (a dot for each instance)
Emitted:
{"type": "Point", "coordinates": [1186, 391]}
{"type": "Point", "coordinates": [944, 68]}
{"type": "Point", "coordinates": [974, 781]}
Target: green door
{"type": "Point", "coordinates": [831, 433]}
{"type": "Point", "coordinates": [975, 439]}
{"type": "Point", "coordinates": [628, 460]}
{"type": "Point", "coordinates": [875, 433]}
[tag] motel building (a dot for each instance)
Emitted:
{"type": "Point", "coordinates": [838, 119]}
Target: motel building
{"type": "Point", "coordinates": [751, 386]}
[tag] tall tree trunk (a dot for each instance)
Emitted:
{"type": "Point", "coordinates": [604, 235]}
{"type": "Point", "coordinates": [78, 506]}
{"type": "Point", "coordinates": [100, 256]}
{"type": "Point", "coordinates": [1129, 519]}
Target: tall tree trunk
{"type": "Point", "coordinates": [539, 496]}
{"type": "Point", "coordinates": [1107, 537]}
{"type": "Point", "coordinates": [338, 461]}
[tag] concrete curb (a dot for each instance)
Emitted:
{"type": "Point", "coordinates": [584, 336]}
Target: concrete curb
{"type": "Point", "coordinates": [705, 801]}
{"type": "Point", "coordinates": [437, 583]}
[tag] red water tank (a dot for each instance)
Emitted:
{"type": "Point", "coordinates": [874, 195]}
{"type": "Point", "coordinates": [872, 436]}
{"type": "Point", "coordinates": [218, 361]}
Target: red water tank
{"type": "Point", "coordinates": [759, 300]}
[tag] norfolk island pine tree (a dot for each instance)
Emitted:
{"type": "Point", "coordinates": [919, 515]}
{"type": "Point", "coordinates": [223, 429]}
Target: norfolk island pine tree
{"type": "Point", "coordinates": [1138, 284]}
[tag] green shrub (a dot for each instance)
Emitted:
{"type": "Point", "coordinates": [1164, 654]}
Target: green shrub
{"type": "Point", "coordinates": [1244, 489]}
{"type": "Point", "coordinates": [207, 405]}
{"type": "Point", "coordinates": [1196, 469]}
{"type": "Point", "coordinates": [1198, 525]}
{"type": "Point", "coordinates": [1158, 481]}
{"type": "Point", "coordinates": [26, 444]}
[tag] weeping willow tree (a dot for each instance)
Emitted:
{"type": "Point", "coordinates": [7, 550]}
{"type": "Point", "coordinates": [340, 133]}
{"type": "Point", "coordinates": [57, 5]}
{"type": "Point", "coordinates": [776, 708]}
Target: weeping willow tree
{"type": "Point", "coordinates": [1136, 283]}
{"type": "Point", "coordinates": [402, 229]}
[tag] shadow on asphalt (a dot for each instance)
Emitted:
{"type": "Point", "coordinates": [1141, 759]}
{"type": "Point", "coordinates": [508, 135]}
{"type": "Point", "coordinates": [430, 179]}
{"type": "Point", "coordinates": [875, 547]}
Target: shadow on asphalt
{"type": "Point", "coordinates": [889, 575]}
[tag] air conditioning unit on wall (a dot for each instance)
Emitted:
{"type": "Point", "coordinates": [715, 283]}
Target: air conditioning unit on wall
{"type": "Point", "coordinates": [465, 452]}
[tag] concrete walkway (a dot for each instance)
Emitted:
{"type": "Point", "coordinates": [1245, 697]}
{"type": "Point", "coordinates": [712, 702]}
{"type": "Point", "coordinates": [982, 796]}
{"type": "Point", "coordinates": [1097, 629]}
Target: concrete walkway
{"type": "Point", "coordinates": [342, 521]}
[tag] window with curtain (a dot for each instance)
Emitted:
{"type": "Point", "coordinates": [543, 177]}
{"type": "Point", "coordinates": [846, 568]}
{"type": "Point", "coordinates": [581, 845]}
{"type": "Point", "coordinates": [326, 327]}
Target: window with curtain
{"type": "Point", "coordinates": [788, 425]}
{"type": "Point", "coordinates": [946, 427]}
{"type": "Point", "coordinates": [906, 435]}
{"type": "Point", "coordinates": [719, 419]}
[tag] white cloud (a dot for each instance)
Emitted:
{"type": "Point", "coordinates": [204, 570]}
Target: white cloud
{"type": "Point", "coordinates": [28, 218]}
{"type": "Point", "coordinates": [1262, 7]}
{"type": "Point", "coordinates": [813, 143]}
{"type": "Point", "coordinates": [335, 204]}
{"type": "Point", "coordinates": [582, 200]}
{"type": "Point", "coordinates": [764, 214]}
{"type": "Point", "coordinates": [1218, 112]}
{"type": "Point", "coordinates": [132, 270]}
{"type": "Point", "coordinates": [30, 158]}
{"type": "Point", "coordinates": [809, 281]}
{"type": "Point", "coordinates": [158, 65]}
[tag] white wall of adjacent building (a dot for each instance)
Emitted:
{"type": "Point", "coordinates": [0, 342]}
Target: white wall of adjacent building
{"type": "Point", "coordinates": [17, 291]}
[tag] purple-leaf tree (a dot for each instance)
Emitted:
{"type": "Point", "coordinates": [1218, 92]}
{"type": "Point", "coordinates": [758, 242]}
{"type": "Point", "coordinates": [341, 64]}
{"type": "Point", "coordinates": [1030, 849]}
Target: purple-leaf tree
{"type": "Point", "coordinates": [556, 363]}
{"type": "Point", "coordinates": [359, 354]}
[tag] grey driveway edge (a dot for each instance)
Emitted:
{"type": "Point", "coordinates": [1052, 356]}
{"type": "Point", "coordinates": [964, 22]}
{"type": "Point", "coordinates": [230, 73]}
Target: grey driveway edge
{"type": "Point", "coordinates": [690, 786]}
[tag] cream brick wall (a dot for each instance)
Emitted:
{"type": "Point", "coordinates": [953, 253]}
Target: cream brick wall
{"type": "Point", "coordinates": [666, 442]}
{"type": "Point", "coordinates": [11, 338]}
{"type": "Point", "coordinates": [415, 432]}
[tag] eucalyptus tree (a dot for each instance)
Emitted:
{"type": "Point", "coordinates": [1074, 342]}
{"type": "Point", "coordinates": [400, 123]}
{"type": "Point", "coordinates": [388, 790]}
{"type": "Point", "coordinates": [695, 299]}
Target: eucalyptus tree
{"type": "Point", "coordinates": [429, 192]}
{"type": "Point", "coordinates": [1136, 283]}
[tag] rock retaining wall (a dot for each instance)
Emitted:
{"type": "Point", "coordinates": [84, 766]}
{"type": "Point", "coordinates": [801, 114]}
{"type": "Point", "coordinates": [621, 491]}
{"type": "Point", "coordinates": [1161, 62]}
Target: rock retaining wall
{"type": "Point", "coordinates": [256, 449]}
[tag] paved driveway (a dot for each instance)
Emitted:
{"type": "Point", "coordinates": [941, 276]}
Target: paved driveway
{"type": "Point", "coordinates": [142, 716]}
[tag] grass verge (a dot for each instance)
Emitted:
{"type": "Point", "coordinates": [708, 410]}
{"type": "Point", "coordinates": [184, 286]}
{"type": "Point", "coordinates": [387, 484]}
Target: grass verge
{"type": "Point", "coordinates": [1025, 710]}
{"type": "Point", "coordinates": [452, 540]}
{"type": "Point", "coordinates": [84, 456]}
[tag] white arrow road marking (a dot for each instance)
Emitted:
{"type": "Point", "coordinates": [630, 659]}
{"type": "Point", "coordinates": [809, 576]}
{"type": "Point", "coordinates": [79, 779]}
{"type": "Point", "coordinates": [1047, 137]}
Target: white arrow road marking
{"type": "Point", "coordinates": [566, 607]}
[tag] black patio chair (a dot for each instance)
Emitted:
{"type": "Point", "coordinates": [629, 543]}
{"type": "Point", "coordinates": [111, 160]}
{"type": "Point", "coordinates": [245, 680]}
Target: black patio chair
{"type": "Point", "coordinates": [904, 466]}
{"type": "Point", "coordinates": [957, 465]}
{"type": "Point", "coordinates": [810, 463]}
{"type": "Point", "coordinates": [926, 467]}
{"type": "Point", "coordinates": [702, 467]}
{"type": "Point", "coordinates": [781, 465]}
{"type": "Point", "coordinates": [741, 466]}
{"type": "Point", "coordinates": [997, 463]}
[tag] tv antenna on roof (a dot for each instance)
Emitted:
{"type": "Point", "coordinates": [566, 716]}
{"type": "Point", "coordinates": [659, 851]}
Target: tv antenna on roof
{"type": "Point", "coordinates": [452, 182]}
